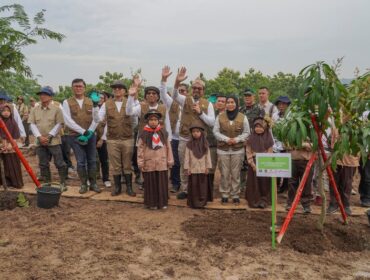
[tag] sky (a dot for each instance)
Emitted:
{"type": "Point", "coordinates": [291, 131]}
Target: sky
{"type": "Point", "coordinates": [202, 35]}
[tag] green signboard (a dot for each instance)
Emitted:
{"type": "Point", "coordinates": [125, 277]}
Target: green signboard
{"type": "Point", "coordinates": [274, 165]}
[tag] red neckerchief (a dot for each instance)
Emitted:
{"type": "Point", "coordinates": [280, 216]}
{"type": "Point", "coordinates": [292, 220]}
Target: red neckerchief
{"type": "Point", "coordinates": [156, 140]}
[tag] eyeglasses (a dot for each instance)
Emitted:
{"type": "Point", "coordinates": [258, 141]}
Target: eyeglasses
{"type": "Point", "coordinates": [197, 88]}
{"type": "Point", "coordinates": [151, 93]}
{"type": "Point", "coordinates": [182, 90]}
{"type": "Point", "coordinates": [78, 86]}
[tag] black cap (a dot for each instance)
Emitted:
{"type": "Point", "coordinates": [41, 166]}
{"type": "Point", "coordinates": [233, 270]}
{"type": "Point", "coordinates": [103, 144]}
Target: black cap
{"type": "Point", "coordinates": [118, 84]}
{"type": "Point", "coordinates": [152, 112]}
{"type": "Point", "coordinates": [283, 99]}
{"type": "Point", "coordinates": [151, 88]}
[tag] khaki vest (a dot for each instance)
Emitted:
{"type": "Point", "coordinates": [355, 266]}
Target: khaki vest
{"type": "Point", "coordinates": [189, 116]}
{"type": "Point", "coordinates": [231, 130]}
{"type": "Point", "coordinates": [82, 116]}
{"type": "Point", "coordinates": [145, 108]}
{"type": "Point", "coordinates": [174, 115]}
{"type": "Point", "coordinates": [119, 124]}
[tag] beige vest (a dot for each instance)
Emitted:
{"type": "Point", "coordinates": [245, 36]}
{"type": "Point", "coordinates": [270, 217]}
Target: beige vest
{"type": "Point", "coordinates": [145, 108]}
{"type": "Point", "coordinates": [119, 124]}
{"type": "Point", "coordinates": [82, 116]}
{"type": "Point", "coordinates": [189, 116]}
{"type": "Point", "coordinates": [231, 130]}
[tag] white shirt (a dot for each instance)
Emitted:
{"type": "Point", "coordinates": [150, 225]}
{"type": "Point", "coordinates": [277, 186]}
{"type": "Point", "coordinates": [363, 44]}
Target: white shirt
{"type": "Point", "coordinates": [167, 101]}
{"type": "Point", "coordinates": [267, 107]}
{"type": "Point", "coordinates": [70, 122]}
{"type": "Point", "coordinates": [18, 120]}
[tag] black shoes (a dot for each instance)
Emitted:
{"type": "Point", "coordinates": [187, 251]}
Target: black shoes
{"type": "Point", "coordinates": [182, 195]}
{"type": "Point", "coordinates": [236, 201]}
{"type": "Point", "coordinates": [224, 200]}
{"type": "Point", "coordinates": [331, 209]}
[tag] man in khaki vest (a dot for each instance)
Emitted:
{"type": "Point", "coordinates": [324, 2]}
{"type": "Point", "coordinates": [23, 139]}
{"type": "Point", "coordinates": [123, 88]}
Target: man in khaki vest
{"type": "Point", "coordinates": [78, 116]}
{"type": "Point", "coordinates": [120, 136]}
{"type": "Point", "coordinates": [46, 121]}
{"type": "Point", "coordinates": [194, 108]}
{"type": "Point", "coordinates": [23, 113]}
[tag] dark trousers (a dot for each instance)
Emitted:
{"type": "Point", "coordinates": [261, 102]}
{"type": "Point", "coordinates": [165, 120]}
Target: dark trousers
{"type": "Point", "coordinates": [85, 154]}
{"type": "Point", "coordinates": [26, 126]}
{"type": "Point", "coordinates": [364, 187]}
{"type": "Point", "coordinates": [44, 153]}
{"type": "Point", "coordinates": [103, 159]}
{"type": "Point", "coordinates": [175, 171]}
{"type": "Point", "coordinates": [298, 169]}
{"type": "Point", "coordinates": [66, 151]}
{"type": "Point", "coordinates": [343, 176]}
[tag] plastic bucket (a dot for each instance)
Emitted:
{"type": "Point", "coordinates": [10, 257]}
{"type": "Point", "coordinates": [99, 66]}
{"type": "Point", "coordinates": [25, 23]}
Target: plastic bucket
{"type": "Point", "coordinates": [48, 196]}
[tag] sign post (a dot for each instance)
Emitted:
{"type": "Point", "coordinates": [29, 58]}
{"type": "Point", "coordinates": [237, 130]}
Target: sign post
{"type": "Point", "coordinates": [273, 165]}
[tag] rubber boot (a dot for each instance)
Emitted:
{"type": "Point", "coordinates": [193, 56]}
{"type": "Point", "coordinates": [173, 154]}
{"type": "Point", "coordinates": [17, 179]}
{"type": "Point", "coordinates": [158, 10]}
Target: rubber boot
{"type": "Point", "coordinates": [62, 178]}
{"type": "Point", "coordinates": [92, 178]}
{"type": "Point", "coordinates": [138, 179]}
{"type": "Point", "coordinates": [117, 185]}
{"type": "Point", "coordinates": [129, 189]}
{"type": "Point", "coordinates": [45, 175]}
{"type": "Point", "coordinates": [82, 174]}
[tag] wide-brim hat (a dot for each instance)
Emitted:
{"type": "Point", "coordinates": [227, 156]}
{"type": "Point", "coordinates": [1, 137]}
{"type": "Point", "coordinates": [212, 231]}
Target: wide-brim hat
{"type": "Point", "coordinates": [152, 112]}
{"type": "Point", "coordinates": [283, 99]}
{"type": "Point", "coordinates": [46, 90]}
{"type": "Point", "coordinates": [118, 84]}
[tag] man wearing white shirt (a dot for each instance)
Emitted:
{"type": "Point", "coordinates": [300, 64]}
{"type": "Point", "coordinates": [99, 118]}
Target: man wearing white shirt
{"type": "Point", "coordinates": [78, 116]}
{"type": "Point", "coordinates": [120, 136]}
{"type": "Point", "coordinates": [264, 103]}
{"type": "Point", "coordinates": [194, 107]}
{"type": "Point", "coordinates": [364, 187]}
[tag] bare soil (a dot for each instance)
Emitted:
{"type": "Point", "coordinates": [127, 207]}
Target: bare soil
{"type": "Point", "coordinates": [87, 239]}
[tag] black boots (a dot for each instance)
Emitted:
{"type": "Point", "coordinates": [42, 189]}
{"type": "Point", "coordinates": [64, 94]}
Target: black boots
{"type": "Point", "coordinates": [129, 189]}
{"type": "Point", "coordinates": [117, 185]}
{"type": "Point", "coordinates": [138, 179]}
{"type": "Point", "coordinates": [92, 178]}
{"type": "Point", "coordinates": [62, 178]}
{"type": "Point", "coordinates": [45, 175]}
{"type": "Point", "coordinates": [82, 174]}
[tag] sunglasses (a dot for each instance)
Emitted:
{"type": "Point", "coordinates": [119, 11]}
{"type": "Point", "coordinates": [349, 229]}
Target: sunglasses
{"type": "Point", "coordinates": [119, 88]}
{"type": "Point", "coordinates": [182, 90]}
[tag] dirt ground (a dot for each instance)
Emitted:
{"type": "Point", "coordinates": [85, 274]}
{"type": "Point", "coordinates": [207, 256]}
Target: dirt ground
{"type": "Point", "coordinates": [89, 239]}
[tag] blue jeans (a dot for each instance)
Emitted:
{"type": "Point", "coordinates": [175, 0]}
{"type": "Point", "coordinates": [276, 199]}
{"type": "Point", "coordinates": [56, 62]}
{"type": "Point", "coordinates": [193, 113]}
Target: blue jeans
{"type": "Point", "coordinates": [175, 171]}
{"type": "Point", "coordinates": [85, 155]}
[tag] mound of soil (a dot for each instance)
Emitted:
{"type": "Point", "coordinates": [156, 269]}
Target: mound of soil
{"type": "Point", "coordinates": [8, 200]}
{"type": "Point", "coordinates": [231, 229]}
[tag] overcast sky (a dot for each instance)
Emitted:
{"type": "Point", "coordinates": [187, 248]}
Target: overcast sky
{"type": "Point", "coordinates": [203, 35]}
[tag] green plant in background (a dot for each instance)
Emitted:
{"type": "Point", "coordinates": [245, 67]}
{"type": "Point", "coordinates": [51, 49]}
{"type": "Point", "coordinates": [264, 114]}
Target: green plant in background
{"type": "Point", "coordinates": [17, 32]}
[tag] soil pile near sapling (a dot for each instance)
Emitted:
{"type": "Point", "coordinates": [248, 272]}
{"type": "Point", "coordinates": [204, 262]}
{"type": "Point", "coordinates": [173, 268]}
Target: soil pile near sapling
{"type": "Point", "coordinates": [8, 200]}
{"type": "Point", "coordinates": [232, 229]}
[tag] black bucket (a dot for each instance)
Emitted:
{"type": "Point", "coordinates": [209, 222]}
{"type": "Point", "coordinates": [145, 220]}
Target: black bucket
{"type": "Point", "coordinates": [48, 196]}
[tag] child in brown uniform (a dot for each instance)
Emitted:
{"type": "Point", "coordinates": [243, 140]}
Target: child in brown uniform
{"type": "Point", "coordinates": [12, 165]}
{"type": "Point", "coordinates": [197, 163]}
{"type": "Point", "coordinates": [258, 192]}
{"type": "Point", "coordinates": [154, 157]}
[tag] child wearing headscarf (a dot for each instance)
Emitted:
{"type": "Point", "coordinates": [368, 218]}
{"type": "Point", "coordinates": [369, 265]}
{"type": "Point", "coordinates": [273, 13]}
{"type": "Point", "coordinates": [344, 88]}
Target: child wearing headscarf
{"type": "Point", "coordinates": [154, 157]}
{"type": "Point", "coordinates": [12, 165]}
{"type": "Point", "coordinates": [258, 191]}
{"type": "Point", "coordinates": [197, 164]}
{"type": "Point", "coordinates": [231, 129]}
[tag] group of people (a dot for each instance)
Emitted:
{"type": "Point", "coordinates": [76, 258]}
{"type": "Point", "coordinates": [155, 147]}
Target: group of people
{"type": "Point", "coordinates": [180, 131]}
